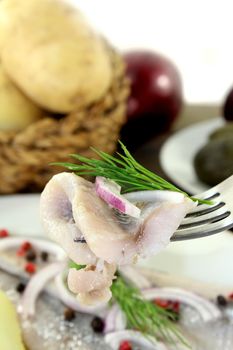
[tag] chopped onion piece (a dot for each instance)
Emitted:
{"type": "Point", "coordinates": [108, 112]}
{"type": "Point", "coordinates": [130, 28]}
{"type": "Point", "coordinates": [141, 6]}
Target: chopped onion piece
{"type": "Point", "coordinates": [115, 320]}
{"type": "Point", "coordinates": [70, 300]}
{"type": "Point", "coordinates": [36, 284]}
{"type": "Point", "coordinates": [109, 191]}
{"type": "Point", "coordinates": [114, 340]}
{"type": "Point", "coordinates": [207, 310]}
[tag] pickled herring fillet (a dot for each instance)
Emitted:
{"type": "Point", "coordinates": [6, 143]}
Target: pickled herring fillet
{"type": "Point", "coordinates": [90, 284]}
{"type": "Point", "coordinates": [58, 201]}
{"type": "Point", "coordinates": [71, 208]}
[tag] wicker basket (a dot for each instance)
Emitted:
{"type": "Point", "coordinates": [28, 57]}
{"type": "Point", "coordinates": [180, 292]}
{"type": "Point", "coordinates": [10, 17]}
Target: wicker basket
{"type": "Point", "coordinates": [25, 156]}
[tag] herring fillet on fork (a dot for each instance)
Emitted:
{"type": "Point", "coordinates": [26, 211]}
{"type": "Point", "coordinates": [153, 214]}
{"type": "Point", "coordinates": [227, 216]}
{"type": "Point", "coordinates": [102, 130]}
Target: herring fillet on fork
{"type": "Point", "coordinates": [206, 220]}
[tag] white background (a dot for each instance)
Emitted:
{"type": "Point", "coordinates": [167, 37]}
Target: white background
{"type": "Point", "coordinates": [196, 35]}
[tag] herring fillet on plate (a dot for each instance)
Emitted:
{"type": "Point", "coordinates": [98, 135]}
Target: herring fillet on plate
{"type": "Point", "coordinates": [92, 222]}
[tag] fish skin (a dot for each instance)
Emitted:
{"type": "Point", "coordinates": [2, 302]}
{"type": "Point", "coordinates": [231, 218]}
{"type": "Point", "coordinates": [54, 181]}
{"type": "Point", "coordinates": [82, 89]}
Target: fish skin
{"type": "Point", "coordinates": [57, 219]}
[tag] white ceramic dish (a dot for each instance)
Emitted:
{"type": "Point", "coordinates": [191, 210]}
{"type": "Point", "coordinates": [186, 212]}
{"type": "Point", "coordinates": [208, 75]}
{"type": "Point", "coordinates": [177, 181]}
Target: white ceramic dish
{"type": "Point", "coordinates": [178, 151]}
{"type": "Point", "coordinates": [205, 260]}
{"type": "Point", "coordinates": [20, 214]}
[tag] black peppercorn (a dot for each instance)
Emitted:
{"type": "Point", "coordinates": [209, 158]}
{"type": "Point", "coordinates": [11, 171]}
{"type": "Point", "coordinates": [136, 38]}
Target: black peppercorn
{"type": "Point", "coordinates": [31, 255]}
{"type": "Point", "coordinates": [69, 314]}
{"type": "Point", "coordinates": [44, 256]}
{"type": "Point", "coordinates": [20, 287]}
{"type": "Point", "coordinates": [97, 324]}
{"type": "Point", "coordinates": [221, 301]}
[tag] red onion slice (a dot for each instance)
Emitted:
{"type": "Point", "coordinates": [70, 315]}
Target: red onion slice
{"type": "Point", "coordinates": [36, 284]}
{"type": "Point", "coordinates": [70, 300]}
{"type": "Point", "coordinates": [114, 340]}
{"type": "Point", "coordinates": [207, 310]}
{"type": "Point", "coordinates": [109, 191]}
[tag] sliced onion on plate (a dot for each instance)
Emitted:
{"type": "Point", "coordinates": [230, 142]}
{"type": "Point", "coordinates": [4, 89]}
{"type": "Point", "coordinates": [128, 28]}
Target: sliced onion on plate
{"type": "Point", "coordinates": [115, 320]}
{"type": "Point", "coordinates": [35, 285]}
{"type": "Point", "coordinates": [114, 339]}
{"type": "Point", "coordinates": [70, 300]}
{"type": "Point", "coordinates": [109, 191]}
{"type": "Point", "coordinates": [132, 274]}
{"type": "Point", "coordinates": [207, 310]}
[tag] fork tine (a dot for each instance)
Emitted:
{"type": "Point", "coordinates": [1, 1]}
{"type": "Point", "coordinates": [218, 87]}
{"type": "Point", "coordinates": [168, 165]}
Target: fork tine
{"type": "Point", "coordinates": [212, 216]}
{"type": "Point", "coordinates": [217, 189]}
{"type": "Point", "coordinates": [203, 230]}
{"type": "Point", "coordinates": [205, 209]}
{"type": "Point", "coordinates": [205, 220]}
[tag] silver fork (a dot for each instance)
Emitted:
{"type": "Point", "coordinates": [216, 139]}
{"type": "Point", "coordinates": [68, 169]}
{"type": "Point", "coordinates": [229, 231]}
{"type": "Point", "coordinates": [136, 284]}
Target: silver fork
{"type": "Point", "coordinates": [206, 220]}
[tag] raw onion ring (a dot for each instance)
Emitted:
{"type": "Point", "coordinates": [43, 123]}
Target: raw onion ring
{"type": "Point", "coordinates": [207, 310]}
{"type": "Point", "coordinates": [114, 339]}
{"type": "Point", "coordinates": [35, 285]}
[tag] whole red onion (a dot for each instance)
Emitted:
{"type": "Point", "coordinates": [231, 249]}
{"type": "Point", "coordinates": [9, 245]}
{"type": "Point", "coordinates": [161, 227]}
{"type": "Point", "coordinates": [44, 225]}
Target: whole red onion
{"type": "Point", "coordinates": [156, 95]}
{"type": "Point", "coordinates": [228, 106]}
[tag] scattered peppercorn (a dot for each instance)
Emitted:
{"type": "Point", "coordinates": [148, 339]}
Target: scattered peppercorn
{"type": "Point", "coordinates": [125, 345]}
{"type": "Point", "coordinates": [169, 305]}
{"type": "Point", "coordinates": [161, 302]}
{"type": "Point", "coordinates": [44, 256]}
{"type": "Point", "coordinates": [4, 233]}
{"type": "Point", "coordinates": [31, 255]}
{"type": "Point", "coordinates": [20, 287]}
{"type": "Point", "coordinates": [176, 306]}
{"type": "Point", "coordinates": [30, 268]}
{"type": "Point", "coordinates": [26, 246]}
{"type": "Point", "coordinates": [69, 314]}
{"type": "Point", "coordinates": [221, 301]}
{"type": "Point", "coordinates": [97, 324]}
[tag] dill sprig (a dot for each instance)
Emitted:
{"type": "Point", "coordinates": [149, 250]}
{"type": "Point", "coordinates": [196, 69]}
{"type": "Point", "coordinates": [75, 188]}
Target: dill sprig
{"type": "Point", "coordinates": [73, 265]}
{"type": "Point", "coordinates": [124, 170]}
{"type": "Point", "coordinates": [145, 316]}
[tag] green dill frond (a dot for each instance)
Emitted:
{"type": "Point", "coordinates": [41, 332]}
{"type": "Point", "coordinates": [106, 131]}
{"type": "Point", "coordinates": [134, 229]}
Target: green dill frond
{"type": "Point", "coordinates": [145, 316]}
{"type": "Point", "coordinates": [124, 170]}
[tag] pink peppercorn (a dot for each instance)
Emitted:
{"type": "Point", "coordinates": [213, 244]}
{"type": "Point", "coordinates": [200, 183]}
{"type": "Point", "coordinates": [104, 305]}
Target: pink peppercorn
{"type": "Point", "coordinates": [4, 233]}
{"type": "Point", "coordinates": [26, 246]}
{"type": "Point", "coordinates": [30, 268]}
{"type": "Point", "coordinates": [125, 345]}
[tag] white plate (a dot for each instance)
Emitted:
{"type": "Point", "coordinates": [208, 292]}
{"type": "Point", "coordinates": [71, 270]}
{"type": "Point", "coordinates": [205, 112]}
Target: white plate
{"type": "Point", "coordinates": [20, 214]}
{"type": "Point", "coordinates": [205, 260]}
{"type": "Point", "coordinates": [178, 151]}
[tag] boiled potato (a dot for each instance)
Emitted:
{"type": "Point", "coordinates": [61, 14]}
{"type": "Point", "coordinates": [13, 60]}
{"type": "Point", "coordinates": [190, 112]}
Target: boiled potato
{"type": "Point", "coordinates": [51, 53]}
{"type": "Point", "coordinates": [10, 335]}
{"type": "Point", "coordinates": [16, 110]}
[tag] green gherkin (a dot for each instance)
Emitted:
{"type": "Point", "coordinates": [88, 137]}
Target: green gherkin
{"type": "Point", "coordinates": [224, 132]}
{"type": "Point", "coordinates": [214, 162]}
